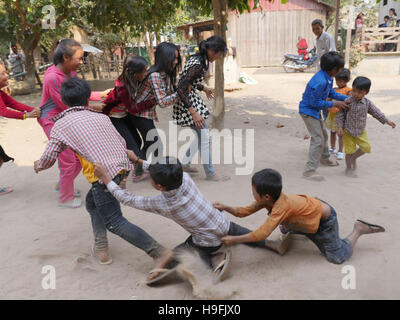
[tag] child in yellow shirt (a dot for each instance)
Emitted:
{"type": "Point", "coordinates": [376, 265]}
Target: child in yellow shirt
{"type": "Point", "coordinates": [342, 78]}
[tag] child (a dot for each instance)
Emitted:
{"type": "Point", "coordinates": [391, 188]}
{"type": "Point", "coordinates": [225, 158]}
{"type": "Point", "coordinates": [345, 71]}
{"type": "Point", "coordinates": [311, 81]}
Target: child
{"type": "Point", "coordinates": [341, 80]}
{"type": "Point", "coordinates": [181, 201]}
{"type": "Point", "coordinates": [4, 158]}
{"type": "Point", "coordinates": [351, 123]}
{"type": "Point", "coordinates": [318, 89]}
{"type": "Point", "coordinates": [94, 138]}
{"type": "Point", "coordinates": [298, 214]}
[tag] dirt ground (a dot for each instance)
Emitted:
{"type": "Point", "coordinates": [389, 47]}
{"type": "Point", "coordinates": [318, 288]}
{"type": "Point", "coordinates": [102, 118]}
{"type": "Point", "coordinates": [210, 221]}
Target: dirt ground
{"type": "Point", "coordinates": [35, 233]}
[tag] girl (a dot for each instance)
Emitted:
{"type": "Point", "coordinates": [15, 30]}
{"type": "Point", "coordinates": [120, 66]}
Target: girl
{"type": "Point", "coordinates": [67, 59]}
{"type": "Point", "coordinates": [160, 86]}
{"type": "Point", "coordinates": [191, 110]}
{"type": "Point", "coordinates": [20, 111]}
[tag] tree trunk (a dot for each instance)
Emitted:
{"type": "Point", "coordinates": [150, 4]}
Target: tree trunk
{"type": "Point", "coordinates": [337, 22]}
{"type": "Point", "coordinates": [148, 42]}
{"type": "Point", "coordinates": [29, 41]}
{"type": "Point", "coordinates": [348, 36]}
{"type": "Point", "coordinates": [220, 8]}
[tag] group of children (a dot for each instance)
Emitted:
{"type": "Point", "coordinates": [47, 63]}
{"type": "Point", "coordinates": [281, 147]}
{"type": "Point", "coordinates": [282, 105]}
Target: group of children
{"type": "Point", "coordinates": [346, 111]}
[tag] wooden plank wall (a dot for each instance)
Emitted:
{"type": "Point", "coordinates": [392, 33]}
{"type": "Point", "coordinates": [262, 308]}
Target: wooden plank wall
{"type": "Point", "coordinates": [262, 38]}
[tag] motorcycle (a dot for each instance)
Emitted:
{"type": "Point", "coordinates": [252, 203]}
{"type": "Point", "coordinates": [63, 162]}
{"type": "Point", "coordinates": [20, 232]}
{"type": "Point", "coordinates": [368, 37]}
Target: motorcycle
{"type": "Point", "coordinates": [294, 62]}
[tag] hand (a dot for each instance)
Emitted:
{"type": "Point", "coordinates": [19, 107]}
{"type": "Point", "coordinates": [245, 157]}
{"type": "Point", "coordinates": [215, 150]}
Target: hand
{"type": "Point", "coordinates": [105, 93]}
{"type": "Point", "coordinates": [228, 240]}
{"type": "Point", "coordinates": [210, 93]}
{"type": "Point", "coordinates": [341, 105]}
{"type": "Point", "coordinates": [34, 113]}
{"type": "Point", "coordinates": [97, 107]}
{"type": "Point", "coordinates": [219, 206]}
{"type": "Point", "coordinates": [36, 166]}
{"type": "Point", "coordinates": [340, 132]}
{"type": "Point", "coordinates": [100, 171]}
{"type": "Point", "coordinates": [392, 124]}
{"type": "Point", "coordinates": [132, 156]}
{"type": "Point", "coordinates": [198, 120]}
{"type": "Point", "coordinates": [189, 88]}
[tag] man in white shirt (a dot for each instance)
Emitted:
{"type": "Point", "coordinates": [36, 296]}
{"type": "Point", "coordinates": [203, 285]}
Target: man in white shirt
{"type": "Point", "coordinates": [324, 41]}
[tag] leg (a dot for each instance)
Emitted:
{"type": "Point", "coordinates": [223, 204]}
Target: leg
{"type": "Point", "coordinates": [122, 127]}
{"type": "Point", "coordinates": [341, 143]}
{"type": "Point", "coordinates": [360, 228]}
{"type": "Point", "coordinates": [70, 167]}
{"type": "Point", "coordinates": [316, 143]}
{"type": "Point", "coordinates": [279, 246]}
{"type": "Point", "coordinates": [333, 139]}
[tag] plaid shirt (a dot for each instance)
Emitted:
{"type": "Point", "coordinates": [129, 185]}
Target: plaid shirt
{"type": "Point", "coordinates": [91, 135]}
{"type": "Point", "coordinates": [158, 86]}
{"type": "Point", "coordinates": [186, 206]}
{"type": "Point", "coordinates": [354, 120]}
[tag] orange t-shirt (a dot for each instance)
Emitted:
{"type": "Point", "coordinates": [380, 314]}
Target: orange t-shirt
{"type": "Point", "coordinates": [346, 91]}
{"type": "Point", "coordinates": [295, 212]}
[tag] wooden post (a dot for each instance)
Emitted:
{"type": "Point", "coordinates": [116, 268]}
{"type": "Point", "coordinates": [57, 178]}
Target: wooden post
{"type": "Point", "coordinates": [337, 22]}
{"type": "Point", "coordinates": [398, 41]}
{"type": "Point", "coordinates": [348, 35]}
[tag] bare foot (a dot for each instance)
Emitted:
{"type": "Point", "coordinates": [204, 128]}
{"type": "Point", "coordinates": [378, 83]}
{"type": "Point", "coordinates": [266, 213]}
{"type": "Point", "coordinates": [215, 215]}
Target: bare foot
{"type": "Point", "coordinates": [350, 173]}
{"type": "Point", "coordinates": [353, 163]}
{"type": "Point", "coordinates": [160, 262]}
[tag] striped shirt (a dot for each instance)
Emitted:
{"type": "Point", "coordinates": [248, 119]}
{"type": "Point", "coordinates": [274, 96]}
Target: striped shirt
{"type": "Point", "coordinates": [354, 120]}
{"type": "Point", "coordinates": [157, 85]}
{"type": "Point", "coordinates": [186, 206]}
{"type": "Point", "coordinates": [91, 135]}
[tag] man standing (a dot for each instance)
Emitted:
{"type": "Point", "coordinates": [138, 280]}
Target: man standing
{"type": "Point", "coordinates": [324, 41]}
{"type": "Point", "coordinates": [17, 61]}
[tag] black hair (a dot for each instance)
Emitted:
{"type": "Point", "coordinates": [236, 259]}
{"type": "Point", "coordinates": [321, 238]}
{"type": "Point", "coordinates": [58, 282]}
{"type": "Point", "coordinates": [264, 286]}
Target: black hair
{"type": "Point", "coordinates": [317, 21]}
{"type": "Point", "coordinates": [132, 65]}
{"type": "Point", "coordinates": [268, 181]}
{"type": "Point", "coordinates": [167, 173]}
{"type": "Point", "coordinates": [394, 11]}
{"type": "Point", "coordinates": [362, 83]}
{"type": "Point", "coordinates": [164, 57]}
{"type": "Point", "coordinates": [386, 17]}
{"type": "Point", "coordinates": [331, 60]}
{"type": "Point", "coordinates": [67, 47]}
{"type": "Point", "coordinates": [344, 75]}
{"type": "Point", "coordinates": [4, 156]}
{"type": "Point", "coordinates": [75, 92]}
{"type": "Point", "coordinates": [215, 43]}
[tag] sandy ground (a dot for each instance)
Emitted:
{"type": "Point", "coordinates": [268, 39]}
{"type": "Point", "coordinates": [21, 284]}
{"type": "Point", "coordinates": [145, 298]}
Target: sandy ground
{"type": "Point", "coordinates": [35, 233]}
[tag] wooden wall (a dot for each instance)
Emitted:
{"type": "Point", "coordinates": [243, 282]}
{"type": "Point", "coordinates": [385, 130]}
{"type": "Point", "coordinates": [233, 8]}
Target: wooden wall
{"type": "Point", "coordinates": [262, 38]}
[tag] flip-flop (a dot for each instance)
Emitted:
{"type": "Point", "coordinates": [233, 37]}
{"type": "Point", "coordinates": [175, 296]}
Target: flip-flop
{"type": "Point", "coordinates": [370, 225]}
{"type": "Point", "coordinates": [221, 270]}
{"type": "Point", "coordinates": [77, 193]}
{"type": "Point", "coordinates": [218, 178]}
{"type": "Point", "coordinates": [286, 241]}
{"type": "Point", "coordinates": [330, 163]}
{"type": "Point", "coordinates": [75, 204]}
{"type": "Point", "coordinates": [165, 274]}
{"type": "Point", "coordinates": [5, 190]}
{"type": "Point", "coordinates": [109, 261]}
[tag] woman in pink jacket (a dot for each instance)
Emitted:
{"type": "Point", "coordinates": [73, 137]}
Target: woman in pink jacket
{"type": "Point", "coordinates": [67, 59]}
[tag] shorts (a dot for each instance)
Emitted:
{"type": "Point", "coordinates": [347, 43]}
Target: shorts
{"type": "Point", "coordinates": [331, 122]}
{"type": "Point", "coordinates": [351, 143]}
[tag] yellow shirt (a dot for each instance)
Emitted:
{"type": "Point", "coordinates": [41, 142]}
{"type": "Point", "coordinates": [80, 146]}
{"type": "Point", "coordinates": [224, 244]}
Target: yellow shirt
{"type": "Point", "coordinates": [88, 169]}
{"type": "Point", "coordinates": [295, 212]}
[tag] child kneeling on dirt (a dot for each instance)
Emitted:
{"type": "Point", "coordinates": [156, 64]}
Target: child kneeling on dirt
{"type": "Point", "coordinates": [297, 214]}
{"type": "Point", "coordinates": [181, 201]}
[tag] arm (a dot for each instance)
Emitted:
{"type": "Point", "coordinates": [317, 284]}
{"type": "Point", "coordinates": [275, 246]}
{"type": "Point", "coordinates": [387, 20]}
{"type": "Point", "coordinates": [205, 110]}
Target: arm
{"type": "Point", "coordinates": [376, 113]}
{"type": "Point", "coordinates": [184, 83]}
{"type": "Point", "coordinates": [7, 102]}
{"type": "Point", "coordinates": [240, 212]}
{"type": "Point", "coordinates": [337, 96]}
{"type": "Point", "coordinates": [50, 155]}
{"type": "Point", "coordinates": [160, 91]}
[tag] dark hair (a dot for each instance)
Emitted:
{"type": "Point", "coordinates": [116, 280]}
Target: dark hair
{"type": "Point", "coordinates": [67, 47]}
{"type": "Point", "coordinates": [215, 43]}
{"type": "Point", "coordinates": [344, 75]}
{"type": "Point", "coordinates": [75, 92]}
{"type": "Point", "coordinates": [164, 57]}
{"type": "Point", "coordinates": [394, 11]}
{"type": "Point", "coordinates": [317, 21]}
{"type": "Point", "coordinates": [386, 17]}
{"type": "Point", "coordinates": [4, 156]}
{"type": "Point", "coordinates": [268, 181]}
{"type": "Point", "coordinates": [132, 65]}
{"type": "Point", "coordinates": [331, 60]}
{"type": "Point", "coordinates": [362, 83]}
{"type": "Point", "coordinates": [167, 173]}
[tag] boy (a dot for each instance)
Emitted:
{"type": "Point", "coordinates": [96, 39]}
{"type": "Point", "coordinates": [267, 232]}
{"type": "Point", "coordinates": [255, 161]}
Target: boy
{"type": "Point", "coordinates": [318, 89]}
{"type": "Point", "coordinates": [342, 78]}
{"type": "Point", "coordinates": [181, 201]}
{"type": "Point", "coordinates": [298, 214]}
{"type": "Point", "coordinates": [94, 138]}
{"type": "Point", "coordinates": [351, 123]}
{"type": "Point", "coordinates": [324, 41]}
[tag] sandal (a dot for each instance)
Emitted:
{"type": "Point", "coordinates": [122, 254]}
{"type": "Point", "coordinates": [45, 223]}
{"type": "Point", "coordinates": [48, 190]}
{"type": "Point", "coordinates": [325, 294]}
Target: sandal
{"type": "Point", "coordinates": [216, 178]}
{"type": "Point", "coordinates": [370, 226]}
{"type": "Point", "coordinates": [142, 177]}
{"type": "Point", "coordinates": [329, 163]}
{"type": "Point", "coordinates": [164, 274]}
{"type": "Point", "coordinates": [221, 270]}
{"type": "Point", "coordinates": [76, 203]}
{"type": "Point", "coordinates": [5, 190]}
{"type": "Point", "coordinates": [77, 193]}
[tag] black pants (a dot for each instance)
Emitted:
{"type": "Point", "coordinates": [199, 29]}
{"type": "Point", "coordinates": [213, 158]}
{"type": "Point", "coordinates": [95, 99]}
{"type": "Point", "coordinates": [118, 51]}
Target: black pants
{"type": "Point", "coordinates": [128, 132]}
{"type": "Point", "coordinates": [144, 125]}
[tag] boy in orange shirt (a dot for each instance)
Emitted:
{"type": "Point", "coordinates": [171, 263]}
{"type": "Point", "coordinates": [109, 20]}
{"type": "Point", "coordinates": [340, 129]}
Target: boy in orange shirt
{"type": "Point", "coordinates": [342, 78]}
{"type": "Point", "coordinates": [298, 214]}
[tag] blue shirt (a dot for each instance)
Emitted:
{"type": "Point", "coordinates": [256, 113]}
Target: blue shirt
{"type": "Point", "coordinates": [318, 89]}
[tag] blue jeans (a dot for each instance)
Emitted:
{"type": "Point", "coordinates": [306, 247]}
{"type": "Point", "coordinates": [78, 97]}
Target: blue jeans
{"type": "Point", "coordinates": [105, 213]}
{"type": "Point", "coordinates": [335, 249]}
{"type": "Point", "coordinates": [202, 143]}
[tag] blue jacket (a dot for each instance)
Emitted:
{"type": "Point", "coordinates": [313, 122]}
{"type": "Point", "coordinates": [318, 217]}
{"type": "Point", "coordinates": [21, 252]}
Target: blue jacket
{"type": "Point", "coordinates": [318, 89]}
